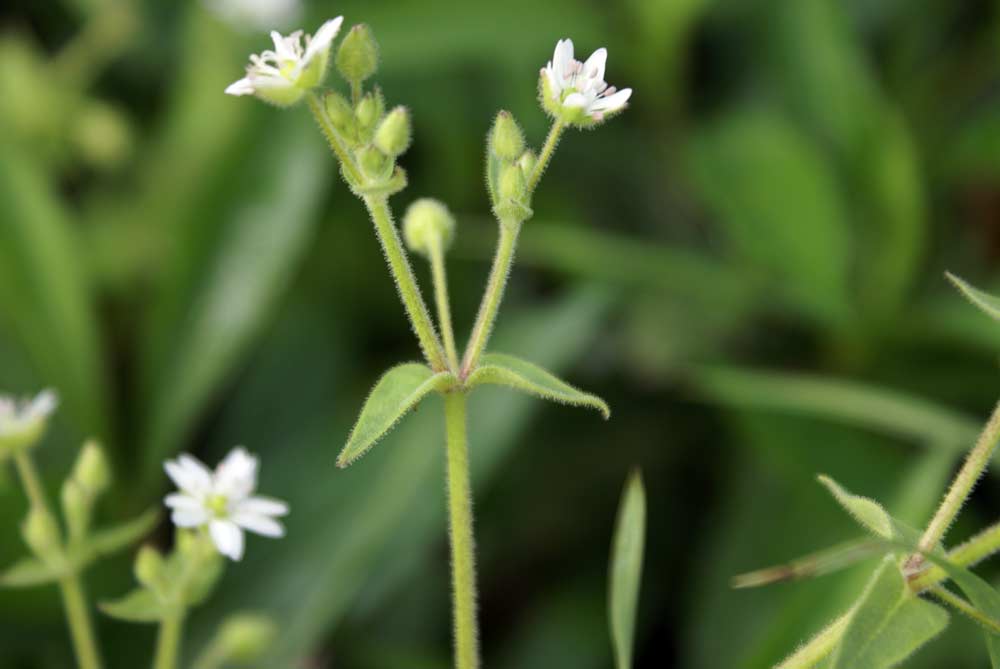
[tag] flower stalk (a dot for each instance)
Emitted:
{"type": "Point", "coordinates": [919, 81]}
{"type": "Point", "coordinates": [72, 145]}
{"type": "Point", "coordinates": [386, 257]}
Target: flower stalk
{"type": "Point", "coordinates": [168, 642]}
{"type": "Point", "coordinates": [548, 150]}
{"type": "Point", "coordinates": [439, 278]}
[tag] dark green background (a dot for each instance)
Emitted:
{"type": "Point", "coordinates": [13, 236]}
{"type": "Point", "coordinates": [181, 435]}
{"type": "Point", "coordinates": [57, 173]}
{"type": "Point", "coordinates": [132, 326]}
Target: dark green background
{"type": "Point", "coordinates": [783, 196]}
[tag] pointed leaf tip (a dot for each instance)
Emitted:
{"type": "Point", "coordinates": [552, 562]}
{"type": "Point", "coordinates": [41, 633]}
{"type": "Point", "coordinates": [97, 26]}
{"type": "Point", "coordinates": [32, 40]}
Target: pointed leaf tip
{"type": "Point", "coordinates": [506, 370]}
{"type": "Point", "coordinates": [399, 390]}
{"type": "Point", "coordinates": [625, 571]}
{"type": "Point", "coordinates": [987, 303]}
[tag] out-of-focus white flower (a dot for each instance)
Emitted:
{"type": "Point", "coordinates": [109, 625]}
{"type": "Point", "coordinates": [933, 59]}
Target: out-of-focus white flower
{"type": "Point", "coordinates": [22, 421]}
{"type": "Point", "coordinates": [576, 92]}
{"type": "Point", "coordinates": [283, 76]}
{"type": "Point", "coordinates": [223, 500]}
{"type": "Point", "coordinates": [256, 14]}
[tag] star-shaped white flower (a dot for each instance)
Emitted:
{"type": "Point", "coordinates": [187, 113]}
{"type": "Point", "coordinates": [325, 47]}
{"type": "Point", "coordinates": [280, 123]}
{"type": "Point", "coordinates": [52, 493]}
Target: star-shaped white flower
{"type": "Point", "coordinates": [223, 500]}
{"type": "Point", "coordinates": [22, 420]}
{"type": "Point", "coordinates": [577, 91]}
{"type": "Point", "coordinates": [283, 76]}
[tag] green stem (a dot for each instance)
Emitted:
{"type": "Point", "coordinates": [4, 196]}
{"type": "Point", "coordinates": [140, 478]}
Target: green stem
{"type": "Point", "coordinates": [333, 138]}
{"type": "Point", "coordinates": [962, 606]}
{"type": "Point", "coordinates": [548, 149]}
{"type": "Point", "coordinates": [492, 297]}
{"type": "Point", "coordinates": [80, 624]}
{"type": "Point", "coordinates": [168, 643]}
{"type": "Point", "coordinates": [406, 283]}
{"type": "Point", "coordinates": [78, 619]}
{"type": "Point", "coordinates": [975, 464]}
{"type": "Point", "coordinates": [440, 279]}
{"type": "Point", "coordinates": [463, 568]}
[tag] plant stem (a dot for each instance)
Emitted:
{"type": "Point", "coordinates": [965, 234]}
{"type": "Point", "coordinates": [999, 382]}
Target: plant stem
{"type": "Point", "coordinates": [31, 481]}
{"type": "Point", "coordinates": [463, 568]}
{"type": "Point", "coordinates": [549, 148]}
{"type": "Point", "coordinates": [80, 625]}
{"type": "Point", "coordinates": [406, 283]}
{"type": "Point", "coordinates": [440, 279]}
{"type": "Point", "coordinates": [168, 642]}
{"type": "Point", "coordinates": [502, 262]}
{"type": "Point", "coordinates": [963, 606]}
{"type": "Point", "coordinates": [961, 487]}
{"type": "Point", "coordinates": [333, 138]}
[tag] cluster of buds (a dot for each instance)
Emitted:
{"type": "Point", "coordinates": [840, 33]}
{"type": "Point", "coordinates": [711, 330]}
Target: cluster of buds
{"type": "Point", "coordinates": [509, 168]}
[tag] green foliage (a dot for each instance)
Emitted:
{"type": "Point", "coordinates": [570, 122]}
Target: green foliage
{"type": "Point", "coordinates": [986, 303]}
{"type": "Point", "coordinates": [506, 370]}
{"type": "Point", "coordinates": [625, 572]}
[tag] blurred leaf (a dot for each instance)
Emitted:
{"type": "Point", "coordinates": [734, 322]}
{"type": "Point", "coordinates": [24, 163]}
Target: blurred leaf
{"type": "Point", "coordinates": [988, 304]}
{"type": "Point", "coordinates": [111, 540]}
{"type": "Point", "coordinates": [44, 293]}
{"type": "Point", "coordinates": [506, 370]}
{"type": "Point", "coordinates": [29, 572]}
{"type": "Point", "coordinates": [626, 569]}
{"type": "Point", "coordinates": [889, 624]}
{"type": "Point", "coordinates": [398, 391]}
{"type": "Point", "coordinates": [779, 204]}
{"type": "Point", "coordinates": [139, 606]}
{"type": "Point", "coordinates": [815, 564]}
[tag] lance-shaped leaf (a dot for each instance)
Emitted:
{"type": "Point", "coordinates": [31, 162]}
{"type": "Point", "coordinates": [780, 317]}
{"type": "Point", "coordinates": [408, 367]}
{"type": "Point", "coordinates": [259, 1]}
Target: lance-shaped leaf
{"type": "Point", "coordinates": [626, 569]}
{"type": "Point", "coordinates": [113, 539]}
{"type": "Point", "coordinates": [889, 623]}
{"type": "Point", "coordinates": [815, 564]}
{"type": "Point", "coordinates": [29, 572]}
{"type": "Point", "coordinates": [399, 390]}
{"type": "Point", "coordinates": [139, 606]}
{"type": "Point", "coordinates": [506, 370]}
{"type": "Point", "coordinates": [988, 304]}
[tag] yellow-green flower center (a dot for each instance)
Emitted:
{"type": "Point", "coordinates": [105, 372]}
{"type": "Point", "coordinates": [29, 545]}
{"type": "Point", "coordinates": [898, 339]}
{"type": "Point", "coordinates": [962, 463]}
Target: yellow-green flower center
{"type": "Point", "coordinates": [218, 505]}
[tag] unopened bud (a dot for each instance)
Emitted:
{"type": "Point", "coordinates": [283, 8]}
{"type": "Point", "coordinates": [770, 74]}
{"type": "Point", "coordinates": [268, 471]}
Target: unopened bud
{"type": "Point", "coordinates": [527, 162]}
{"type": "Point", "coordinates": [393, 135]}
{"type": "Point", "coordinates": [186, 542]}
{"type": "Point", "coordinates": [369, 112]}
{"type": "Point", "coordinates": [246, 637]}
{"type": "Point", "coordinates": [428, 222]}
{"type": "Point", "coordinates": [41, 533]}
{"type": "Point", "coordinates": [149, 567]}
{"type": "Point", "coordinates": [506, 139]}
{"type": "Point", "coordinates": [92, 470]}
{"type": "Point", "coordinates": [340, 113]}
{"type": "Point", "coordinates": [375, 164]}
{"type": "Point", "coordinates": [512, 183]}
{"type": "Point", "coordinates": [76, 504]}
{"type": "Point", "coordinates": [357, 58]}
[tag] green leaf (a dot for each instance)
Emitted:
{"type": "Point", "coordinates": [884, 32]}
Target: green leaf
{"type": "Point", "coordinates": [867, 512]}
{"type": "Point", "coordinates": [27, 573]}
{"type": "Point", "coordinates": [626, 569]}
{"type": "Point", "coordinates": [889, 623]}
{"type": "Point", "coordinates": [399, 390]}
{"type": "Point", "coordinates": [506, 370]}
{"type": "Point", "coordinates": [815, 564]}
{"type": "Point", "coordinates": [113, 539]}
{"type": "Point", "coordinates": [988, 304]}
{"type": "Point", "coordinates": [139, 606]}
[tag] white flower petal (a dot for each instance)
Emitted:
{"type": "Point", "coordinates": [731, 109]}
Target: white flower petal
{"type": "Point", "coordinates": [265, 506]}
{"type": "Point", "coordinates": [593, 69]}
{"type": "Point", "coordinates": [575, 100]}
{"type": "Point", "coordinates": [562, 58]}
{"type": "Point", "coordinates": [181, 501]}
{"type": "Point", "coordinates": [188, 479]}
{"type": "Point", "coordinates": [612, 102]}
{"type": "Point", "coordinates": [242, 87]}
{"type": "Point", "coordinates": [264, 525]}
{"type": "Point", "coordinates": [227, 537]}
{"type": "Point", "coordinates": [196, 473]}
{"type": "Point", "coordinates": [236, 476]}
{"type": "Point", "coordinates": [189, 517]}
{"type": "Point", "coordinates": [321, 41]}
{"type": "Point", "coordinates": [43, 405]}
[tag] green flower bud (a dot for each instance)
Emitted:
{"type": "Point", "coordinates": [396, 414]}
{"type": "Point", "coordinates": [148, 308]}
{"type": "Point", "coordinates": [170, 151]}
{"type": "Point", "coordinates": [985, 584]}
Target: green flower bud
{"type": "Point", "coordinates": [149, 567]}
{"type": "Point", "coordinates": [369, 112]}
{"type": "Point", "coordinates": [512, 184]}
{"type": "Point", "coordinates": [357, 58]}
{"type": "Point", "coordinates": [527, 162]}
{"type": "Point", "coordinates": [393, 134]}
{"type": "Point", "coordinates": [374, 164]}
{"type": "Point", "coordinates": [41, 533]}
{"type": "Point", "coordinates": [92, 470]}
{"type": "Point", "coordinates": [506, 138]}
{"type": "Point", "coordinates": [246, 637]}
{"type": "Point", "coordinates": [76, 504]}
{"type": "Point", "coordinates": [428, 222]}
{"type": "Point", "coordinates": [187, 542]}
{"type": "Point", "coordinates": [341, 114]}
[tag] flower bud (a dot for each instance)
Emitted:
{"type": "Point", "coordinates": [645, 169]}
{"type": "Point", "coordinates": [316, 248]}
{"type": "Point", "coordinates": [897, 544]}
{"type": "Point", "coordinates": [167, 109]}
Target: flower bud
{"type": "Point", "coordinates": [92, 470]}
{"type": "Point", "coordinates": [369, 112]}
{"type": "Point", "coordinates": [428, 222]}
{"type": "Point", "coordinates": [76, 504]}
{"type": "Point", "coordinates": [374, 164]}
{"type": "Point", "coordinates": [41, 533]}
{"type": "Point", "coordinates": [340, 113]}
{"type": "Point", "coordinates": [186, 542]}
{"type": "Point", "coordinates": [245, 637]}
{"type": "Point", "coordinates": [357, 58]}
{"type": "Point", "coordinates": [506, 139]}
{"type": "Point", "coordinates": [149, 567]}
{"type": "Point", "coordinates": [527, 162]}
{"type": "Point", "coordinates": [393, 135]}
{"type": "Point", "coordinates": [512, 183]}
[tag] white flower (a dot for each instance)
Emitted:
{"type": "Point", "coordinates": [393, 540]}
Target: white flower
{"type": "Point", "coordinates": [21, 421]}
{"type": "Point", "coordinates": [283, 76]}
{"type": "Point", "coordinates": [577, 91]}
{"type": "Point", "coordinates": [223, 500]}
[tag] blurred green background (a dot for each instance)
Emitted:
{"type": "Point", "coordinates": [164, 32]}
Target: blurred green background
{"type": "Point", "coordinates": [747, 265]}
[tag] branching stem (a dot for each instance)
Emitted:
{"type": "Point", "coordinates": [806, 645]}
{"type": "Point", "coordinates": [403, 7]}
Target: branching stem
{"type": "Point", "coordinates": [492, 297]}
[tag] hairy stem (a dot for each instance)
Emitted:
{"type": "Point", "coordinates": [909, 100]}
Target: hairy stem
{"type": "Point", "coordinates": [168, 642]}
{"type": "Point", "coordinates": [548, 149]}
{"type": "Point", "coordinates": [492, 297]}
{"type": "Point", "coordinates": [463, 567]}
{"type": "Point", "coordinates": [406, 283]}
{"type": "Point", "coordinates": [975, 464]}
{"type": "Point", "coordinates": [333, 138]}
{"type": "Point", "coordinates": [942, 593]}
{"type": "Point", "coordinates": [440, 279]}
